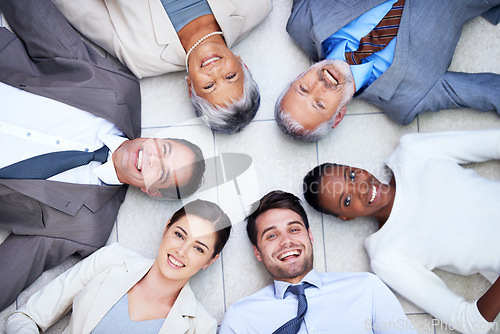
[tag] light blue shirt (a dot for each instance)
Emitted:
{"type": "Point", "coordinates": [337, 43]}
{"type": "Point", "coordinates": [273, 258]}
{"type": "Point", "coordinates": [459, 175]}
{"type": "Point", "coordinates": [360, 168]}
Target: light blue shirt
{"type": "Point", "coordinates": [347, 39]}
{"type": "Point", "coordinates": [117, 321]}
{"type": "Point", "coordinates": [337, 302]}
{"type": "Point", "coordinates": [181, 12]}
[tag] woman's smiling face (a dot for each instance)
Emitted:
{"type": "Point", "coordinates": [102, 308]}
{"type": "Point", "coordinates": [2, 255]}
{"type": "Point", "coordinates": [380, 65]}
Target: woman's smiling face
{"type": "Point", "coordinates": [352, 192]}
{"type": "Point", "coordinates": [186, 247]}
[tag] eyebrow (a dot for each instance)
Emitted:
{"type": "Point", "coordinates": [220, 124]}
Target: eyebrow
{"type": "Point", "coordinates": [197, 241]}
{"type": "Point", "coordinates": [231, 82]}
{"type": "Point", "coordinates": [267, 229]}
{"type": "Point", "coordinates": [167, 174]}
{"type": "Point", "coordinates": [345, 180]}
{"type": "Point", "coordinates": [177, 190]}
{"type": "Point", "coordinates": [201, 243]}
{"type": "Point", "coordinates": [293, 222]}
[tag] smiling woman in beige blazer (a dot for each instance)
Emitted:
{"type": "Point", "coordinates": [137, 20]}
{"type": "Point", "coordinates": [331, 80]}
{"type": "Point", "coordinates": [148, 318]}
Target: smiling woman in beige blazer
{"type": "Point", "coordinates": [144, 38]}
{"type": "Point", "coordinates": [158, 292]}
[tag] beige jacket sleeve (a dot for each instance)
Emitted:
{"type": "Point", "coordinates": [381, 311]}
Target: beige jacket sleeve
{"type": "Point", "coordinates": [140, 34]}
{"type": "Point", "coordinates": [49, 304]}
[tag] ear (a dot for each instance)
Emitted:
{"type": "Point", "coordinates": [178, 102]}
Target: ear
{"type": "Point", "coordinates": [346, 218]}
{"type": "Point", "coordinates": [152, 192]}
{"type": "Point", "coordinates": [189, 85]}
{"type": "Point", "coordinates": [257, 253]}
{"type": "Point", "coordinates": [211, 261]}
{"type": "Point", "coordinates": [310, 236]}
{"type": "Point", "coordinates": [238, 57]}
{"type": "Point", "coordinates": [340, 115]}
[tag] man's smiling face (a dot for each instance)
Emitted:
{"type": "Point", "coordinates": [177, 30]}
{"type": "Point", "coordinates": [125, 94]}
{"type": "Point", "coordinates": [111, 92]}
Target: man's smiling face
{"type": "Point", "coordinates": [284, 245]}
{"type": "Point", "coordinates": [153, 164]}
{"type": "Point", "coordinates": [320, 94]}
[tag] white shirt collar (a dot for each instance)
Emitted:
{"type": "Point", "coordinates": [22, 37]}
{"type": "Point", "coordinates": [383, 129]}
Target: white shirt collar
{"type": "Point", "coordinates": [106, 172]}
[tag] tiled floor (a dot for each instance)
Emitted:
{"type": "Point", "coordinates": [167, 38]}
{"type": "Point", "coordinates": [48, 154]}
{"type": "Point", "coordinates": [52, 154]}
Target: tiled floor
{"type": "Point", "coordinates": [364, 138]}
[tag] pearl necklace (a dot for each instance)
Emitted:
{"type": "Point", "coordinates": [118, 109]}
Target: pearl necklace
{"type": "Point", "coordinates": [198, 43]}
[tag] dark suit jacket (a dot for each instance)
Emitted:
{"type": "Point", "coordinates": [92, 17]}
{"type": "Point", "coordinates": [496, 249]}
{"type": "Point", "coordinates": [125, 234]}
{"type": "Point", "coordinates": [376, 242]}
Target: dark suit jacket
{"type": "Point", "coordinates": [418, 79]}
{"type": "Point", "coordinates": [52, 220]}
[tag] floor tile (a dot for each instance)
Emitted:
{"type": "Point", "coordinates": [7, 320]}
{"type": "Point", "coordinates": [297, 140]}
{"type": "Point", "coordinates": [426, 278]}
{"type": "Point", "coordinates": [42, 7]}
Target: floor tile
{"type": "Point", "coordinates": [364, 139]}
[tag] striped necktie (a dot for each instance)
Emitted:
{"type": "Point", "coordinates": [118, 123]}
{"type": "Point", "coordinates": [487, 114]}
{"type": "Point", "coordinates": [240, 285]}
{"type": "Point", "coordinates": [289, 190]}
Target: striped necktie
{"type": "Point", "coordinates": [47, 165]}
{"type": "Point", "coordinates": [379, 37]}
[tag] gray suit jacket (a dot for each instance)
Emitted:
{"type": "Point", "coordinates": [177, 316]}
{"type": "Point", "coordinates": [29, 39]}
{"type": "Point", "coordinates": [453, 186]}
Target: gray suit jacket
{"type": "Point", "coordinates": [53, 220]}
{"type": "Point", "coordinates": [418, 79]}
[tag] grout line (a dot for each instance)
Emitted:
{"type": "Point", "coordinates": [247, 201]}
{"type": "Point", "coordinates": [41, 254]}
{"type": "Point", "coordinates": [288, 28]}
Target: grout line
{"type": "Point", "coordinates": [322, 220]}
{"type": "Point", "coordinates": [170, 126]}
{"type": "Point", "coordinates": [366, 113]}
{"type": "Point", "coordinates": [218, 202]}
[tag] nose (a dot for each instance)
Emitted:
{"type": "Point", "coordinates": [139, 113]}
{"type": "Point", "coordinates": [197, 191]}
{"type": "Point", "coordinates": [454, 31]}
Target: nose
{"type": "Point", "coordinates": [363, 188]}
{"type": "Point", "coordinates": [215, 68]}
{"type": "Point", "coordinates": [318, 88]}
{"type": "Point", "coordinates": [154, 160]}
{"type": "Point", "coordinates": [182, 249]}
{"type": "Point", "coordinates": [285, 239]}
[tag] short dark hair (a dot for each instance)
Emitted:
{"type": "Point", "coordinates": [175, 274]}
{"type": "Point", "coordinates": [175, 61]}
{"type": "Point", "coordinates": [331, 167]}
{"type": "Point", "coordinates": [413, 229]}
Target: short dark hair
{"type": "Point", "coordinates": [211, 212]}
{"type": "Point", "coordinates": [198, 168]}
{"type": "Point", "coordinates": [276, 199]}
{"type": "Point", "coordinates": [235, 115]}
{"type": "Point", "coordinates": [311, 186]}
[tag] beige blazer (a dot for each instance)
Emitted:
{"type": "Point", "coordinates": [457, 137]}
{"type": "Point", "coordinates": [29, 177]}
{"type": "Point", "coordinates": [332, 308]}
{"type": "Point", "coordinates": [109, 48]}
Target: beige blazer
{"type": "Point", "coordinates": [93, 286]}
{"type": "Point", "coordinates": [140, 34]}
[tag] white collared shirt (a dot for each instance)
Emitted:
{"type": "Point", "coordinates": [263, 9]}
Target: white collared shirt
{"type": "Point", "coordinates": [31, 125]}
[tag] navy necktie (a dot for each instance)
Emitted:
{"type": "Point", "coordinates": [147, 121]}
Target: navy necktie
{"type": "Point", "coordinates": [292, 326]}
{"type": "Point", "coordinates": [50, 164]}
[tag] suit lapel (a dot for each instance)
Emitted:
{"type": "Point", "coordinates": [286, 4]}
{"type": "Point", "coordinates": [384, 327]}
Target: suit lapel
{"type": "Point", "coordinates": [231, 24]}
{"type": "Point", "coordinates": [177, 320]}
{"type": "Point", "coordinates": [119, 280]}
{"type": "Point", "coordinates": [386, 85]}
{"type": "Point", "coordinates": [166, 35]}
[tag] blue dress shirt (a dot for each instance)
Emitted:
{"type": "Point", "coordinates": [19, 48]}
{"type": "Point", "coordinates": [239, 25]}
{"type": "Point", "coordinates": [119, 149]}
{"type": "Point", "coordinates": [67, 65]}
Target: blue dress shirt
{"type": "Point", "coordinates": [337, 303]}
{"type": "Point", "coordinates": [117, 321]}
{"type": "Point", "coordinates": [347, 39]}
{"type": "Point", "coordinates": [181, 12]}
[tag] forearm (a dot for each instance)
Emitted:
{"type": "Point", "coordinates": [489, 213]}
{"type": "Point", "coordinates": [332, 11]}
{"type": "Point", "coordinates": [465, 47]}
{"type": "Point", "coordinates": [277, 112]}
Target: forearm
{"type": "Point", "coordinates": [489, 304]}
{"type": "Point", "coordinates": [20, 323]}
{"type": "Point", "coordinates": [460, 146]}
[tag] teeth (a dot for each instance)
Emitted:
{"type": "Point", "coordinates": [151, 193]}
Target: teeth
{"type": "Point", "coordinates": [374, 193]}
{"type": "Point", "coordinates": [289, 253]}
{"type": "Point", "coordinates": [174, 261]}
{"type": "Point", "coordinates": [213, 59]}
{"type": "Point", "coordinates": [330, 77]}
{"type": "Point", "coordinates": [139, 159]}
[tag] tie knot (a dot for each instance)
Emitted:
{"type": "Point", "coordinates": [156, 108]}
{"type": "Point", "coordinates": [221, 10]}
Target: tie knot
{"type": "Point", "coordinates": [101, 154]}
{"type": "Point", "coordinates": [296, 289]}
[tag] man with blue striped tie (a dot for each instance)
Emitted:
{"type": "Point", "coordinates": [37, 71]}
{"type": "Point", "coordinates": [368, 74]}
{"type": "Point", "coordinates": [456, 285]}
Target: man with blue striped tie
{"type": "Point", "coordinates": [392, 53]}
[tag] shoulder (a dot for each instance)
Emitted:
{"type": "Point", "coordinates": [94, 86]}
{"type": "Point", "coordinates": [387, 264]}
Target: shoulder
{"type": "Point", "coordinates": [261, 296]}
{"type": "Point", "coordinates": [116, 252]}
{"type": "Point", "coordinates": [360, 282]}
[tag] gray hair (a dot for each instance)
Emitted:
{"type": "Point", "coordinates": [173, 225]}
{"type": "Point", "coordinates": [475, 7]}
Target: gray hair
{"type": "Point", "coordinates": [237, 114]}
{"type": "Point", "coordinates": [294, 129]}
